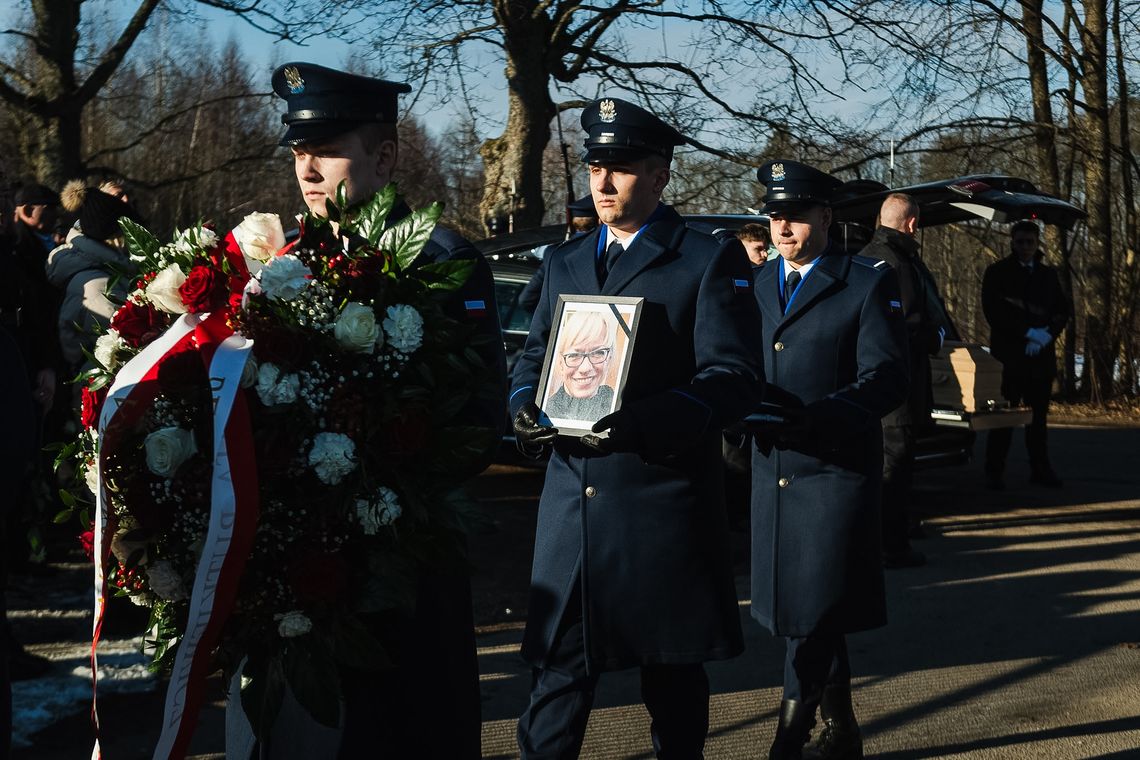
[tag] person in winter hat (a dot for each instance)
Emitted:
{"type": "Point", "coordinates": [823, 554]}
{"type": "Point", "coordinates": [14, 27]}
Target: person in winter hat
{"type": "Point", "coordinates": [92, 268]}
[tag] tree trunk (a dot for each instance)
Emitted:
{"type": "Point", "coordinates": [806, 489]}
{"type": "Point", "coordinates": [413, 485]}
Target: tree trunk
{"type": "Point", "coordinates": [512, 188]}
{"type": "Point", "coordinates": [1098, 178]}
{"type": "Point", "coordinates": [1045, 148]}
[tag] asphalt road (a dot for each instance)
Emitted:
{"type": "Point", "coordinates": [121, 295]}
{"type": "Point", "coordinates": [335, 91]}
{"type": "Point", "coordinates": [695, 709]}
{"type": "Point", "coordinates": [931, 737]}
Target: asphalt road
{"type": "Point", "coordinates": [1019, 639]}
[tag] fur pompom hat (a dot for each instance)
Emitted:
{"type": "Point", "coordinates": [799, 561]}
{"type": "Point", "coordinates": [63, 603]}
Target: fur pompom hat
{"type": "Point", "coordinates": [99, 212]}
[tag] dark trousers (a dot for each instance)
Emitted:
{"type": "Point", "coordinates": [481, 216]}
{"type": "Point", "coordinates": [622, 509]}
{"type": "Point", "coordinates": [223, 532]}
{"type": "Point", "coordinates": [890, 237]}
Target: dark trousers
{"type": "Point", "coordinates": [813, 662]}
{"type": "Point", "coordinates": [1021, 385]}
{"type": "Point", "coordinates": [562, 693]}
{"type": "Point", "coordinates": [898, 477]}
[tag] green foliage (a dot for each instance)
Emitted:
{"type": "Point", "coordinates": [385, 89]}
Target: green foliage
{"type": "Point", "coordinates": [141, 242]}
{"type": "Point", "coordinates": [406, 238]}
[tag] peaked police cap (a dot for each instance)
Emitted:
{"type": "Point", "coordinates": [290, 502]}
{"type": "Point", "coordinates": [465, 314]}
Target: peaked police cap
{"type": "Point", "coordinates": [324, 103]}
{"type": "Point", "coordinates": [617, 130]}
{"type": "Point", "coordinates": [791, 185]}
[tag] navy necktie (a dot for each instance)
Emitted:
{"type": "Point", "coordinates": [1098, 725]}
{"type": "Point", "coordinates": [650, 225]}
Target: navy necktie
{"type": "Point", "coordinates": [613, 250]}
{"type": "Point", "coordinates": [790, 287]}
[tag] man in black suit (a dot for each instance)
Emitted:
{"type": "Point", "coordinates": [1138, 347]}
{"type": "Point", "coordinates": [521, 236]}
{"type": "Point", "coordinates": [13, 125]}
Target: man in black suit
{"type": "Point", "coordinates": [1027, 310]}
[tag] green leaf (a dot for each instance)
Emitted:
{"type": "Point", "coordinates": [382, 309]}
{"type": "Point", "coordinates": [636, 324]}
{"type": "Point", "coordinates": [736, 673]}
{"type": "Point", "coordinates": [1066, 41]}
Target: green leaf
{"type": "Point", "coordinates": [63, 516]}
{"type": "Point", "coordinates": [446, 275]}
{"type": "Point", "coordinates": [66, 499]}
{"type": "Point", "coordinates": [406, 238]}
{"type": "Point", "coordinates": [262, 691]}
{"type": "Point", "coordinates": [369, 220]}
{"type": "Point", "coordinates": [140, 240]}
{"type": "Point", "coordinates": [312, 676]}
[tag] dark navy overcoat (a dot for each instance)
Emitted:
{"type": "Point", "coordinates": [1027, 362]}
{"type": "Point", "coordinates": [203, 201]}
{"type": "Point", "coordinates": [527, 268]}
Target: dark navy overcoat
{"type": "Point", "coordinates": [647, 531]}
{"type": "Point", "coordinates": [840, 351]}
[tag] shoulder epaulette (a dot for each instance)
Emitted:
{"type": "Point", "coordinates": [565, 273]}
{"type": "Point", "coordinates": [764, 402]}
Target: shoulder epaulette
{"type": "Point", "coordinates": [869, 262]}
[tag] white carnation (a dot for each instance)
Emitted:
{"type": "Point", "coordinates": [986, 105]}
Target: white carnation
{"type": "Point", "coordinates": [259, 236]}
{"type": "Point", "coordinates": [283, 277]}
{"type": "Point", "coordinates": [293, 624]}
{"type": "Point", "coordinates": [249, 374]}
{"type": "Point", "coordinates": [273, 387]}
{"type": "Point", "coordinates": [162, 291]}
{"type": "Point", "coordinates": [356, 328]}
{"type": "Point", "coordinates": [167, 448]}
{"type": "Point", "coordinates": [380, 511]}
{"type": "Point", "coordinates": [332, 457]}
{"type": "Point", "coordinates": [165, 581]}
{"type": "Point", "coordinates": [107, 349]}
{"type": "Point", "coordinates": [405, 328]}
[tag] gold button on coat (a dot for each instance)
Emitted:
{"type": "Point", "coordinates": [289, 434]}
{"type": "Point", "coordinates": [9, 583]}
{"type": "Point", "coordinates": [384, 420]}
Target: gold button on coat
{"type": "Point", "coordinates": [784, 482]}
{"type": "Point", "coordinates": [779, 346]}
{"type": "Point", "coordinates": [591, 492]}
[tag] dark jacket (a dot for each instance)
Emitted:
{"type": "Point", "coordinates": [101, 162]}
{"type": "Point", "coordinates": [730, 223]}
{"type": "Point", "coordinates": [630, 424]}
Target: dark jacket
{"type": "Point", "coordinates": [1016, 298]}
{"type": "Point", "coordinates": [647, 531]}
{"type": "Point", "coordinates": [28, 303]}
{"type": "Point", "coordinates": [923, 339]}
{"type": "Point", "coordinates": [840, 352]}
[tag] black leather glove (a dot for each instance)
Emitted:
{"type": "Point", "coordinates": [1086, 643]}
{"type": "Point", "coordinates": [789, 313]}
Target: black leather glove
{"type": "Point", "coordinates": [623, 434]}
{"type": "Point", "coordinates": [530, 434]}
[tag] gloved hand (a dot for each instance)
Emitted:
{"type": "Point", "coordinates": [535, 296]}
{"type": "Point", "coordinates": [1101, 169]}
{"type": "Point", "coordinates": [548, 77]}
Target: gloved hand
{"type": "Point", "coordinates": [1032, 348]}
{"type": "Point", "coordinates": [1038, 335]}
{"type": "Point", "coordinates": [530, 434]}
{"type": "Point", "coordinates": [623, 434]}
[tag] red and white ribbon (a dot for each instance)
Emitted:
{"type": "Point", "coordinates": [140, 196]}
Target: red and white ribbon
{"type": "Point", "coordinates": [233, 509]}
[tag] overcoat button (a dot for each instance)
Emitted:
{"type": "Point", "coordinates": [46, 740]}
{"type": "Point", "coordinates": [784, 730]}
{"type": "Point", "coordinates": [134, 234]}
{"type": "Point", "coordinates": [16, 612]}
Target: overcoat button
{"type": "Point", "coordinates": [591, 492]}
{"type": "Point", "coordinates": [784, 482]}
{"type": "Point", "coordinates": [779, 346]}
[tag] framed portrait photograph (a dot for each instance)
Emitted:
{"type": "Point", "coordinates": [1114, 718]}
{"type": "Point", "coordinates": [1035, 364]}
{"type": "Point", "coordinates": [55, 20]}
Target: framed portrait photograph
{"type": "Point", "coordinates": [587, 360]}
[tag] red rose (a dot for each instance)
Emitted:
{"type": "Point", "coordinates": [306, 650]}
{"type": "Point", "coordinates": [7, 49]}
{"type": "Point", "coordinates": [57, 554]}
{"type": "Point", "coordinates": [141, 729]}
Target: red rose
{"type": "Point", "coordinates": [92, 405]}
{"type": "Point", "coordinates": [365, 278]}
{"type": "Point", "coordinates": [87, 541]}
{"type": "Point", "coordinates": [205, 289]}
{"type": "Point", "coordinates": [319, 578]}
{"type": "Point", "coordinates": [138, 325]}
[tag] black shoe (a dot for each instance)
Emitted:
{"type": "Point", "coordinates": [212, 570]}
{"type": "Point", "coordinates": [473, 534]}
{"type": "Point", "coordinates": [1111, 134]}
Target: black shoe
{"type": "Point", "coordinates": [903, 558]}
{"type": "Point", "coordinates": [793, 731]}
{"type": "Point", "coordinates": [839, 739]}
{"type": "Point", "coordinates": [1046, 478]}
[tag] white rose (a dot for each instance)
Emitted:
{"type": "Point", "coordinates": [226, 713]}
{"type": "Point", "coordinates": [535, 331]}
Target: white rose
{"type": "Point", "coordinates": [274, 388]}
{"type": "Point", "coordinates": [356, 328]}
{"type": "Point", "coordinates": [162, 291]}
{"type": "Point", "coordinates": [405, 328]}
{"type": "Point", "coordinates": [283, 277]}
{"type": "Point", "coordinates": [167, 448]}
{"type": "Point", "coordinates": [91, 476]}
{"type": "Point", "coordinates": [165, 581]}
{"type": "Point", "coordinates": [293, 624]}
{"type": "Point", "coordinates": [379, 512]}
{"type": "Point", "coordinates": [259, 236]}
{"type": "Point", "coordinates": [107, 349]}
{"type": "Point", "coordinates": [332, 457]}
{"type": "Point", "coordinates": [249, 375]}
{"type": "Point", "coordinates": [126, 542]}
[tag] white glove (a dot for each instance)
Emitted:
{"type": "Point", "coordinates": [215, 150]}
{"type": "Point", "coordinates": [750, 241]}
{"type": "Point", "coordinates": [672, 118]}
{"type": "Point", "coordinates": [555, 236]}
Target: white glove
{"type": "Point", "coordinates": [1032, 348]}
{"type": "Point", "coordinates": [1039, 334]}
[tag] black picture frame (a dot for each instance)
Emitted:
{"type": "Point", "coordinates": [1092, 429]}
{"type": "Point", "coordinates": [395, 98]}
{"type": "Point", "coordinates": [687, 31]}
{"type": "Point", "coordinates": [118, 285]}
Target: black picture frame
{"type": "Point", "coordinates": [576, 328]}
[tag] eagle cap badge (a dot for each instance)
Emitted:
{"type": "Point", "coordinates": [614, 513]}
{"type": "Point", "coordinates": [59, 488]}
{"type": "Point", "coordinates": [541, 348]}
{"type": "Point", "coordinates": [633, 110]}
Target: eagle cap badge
{"type": "Point", "coordinates": [294, 80]}
{"type": "Point", "coordinates": [777, 172]}
{"type": "Point", "coordinates": [607, 111]}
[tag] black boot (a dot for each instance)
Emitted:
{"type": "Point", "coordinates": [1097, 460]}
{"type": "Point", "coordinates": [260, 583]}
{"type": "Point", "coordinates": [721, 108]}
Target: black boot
{"type": "Point", "coordinates": [793, 730]}
{"type": "Point", "coordinates": [839, 739]}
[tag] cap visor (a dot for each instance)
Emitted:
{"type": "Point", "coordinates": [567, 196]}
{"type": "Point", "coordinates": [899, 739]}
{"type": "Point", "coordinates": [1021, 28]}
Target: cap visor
{"type": "Point", "coordinates": [299, 133]}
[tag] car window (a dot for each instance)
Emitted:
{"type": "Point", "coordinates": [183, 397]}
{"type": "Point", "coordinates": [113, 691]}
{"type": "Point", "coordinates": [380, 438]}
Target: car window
{"type": "Point", "coordinates": [511, 315]}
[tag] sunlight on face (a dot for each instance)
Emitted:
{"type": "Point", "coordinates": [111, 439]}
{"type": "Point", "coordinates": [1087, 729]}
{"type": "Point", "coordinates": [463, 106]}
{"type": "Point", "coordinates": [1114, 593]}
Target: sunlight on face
{"type": "Point", "coordinates": [321, 167]}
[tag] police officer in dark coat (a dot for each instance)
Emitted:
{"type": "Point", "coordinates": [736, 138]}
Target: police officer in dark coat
{"type": "Point", "coordinates": [894, 242]}
{"type": "Point", "coordinates": [342, 127]}
{"type": "Point", "coordinates": [631, 559]}
{"type": "Point", "coordinates": [1026, 308]}
{"type": "Point", "coordinates": [835, 357]}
